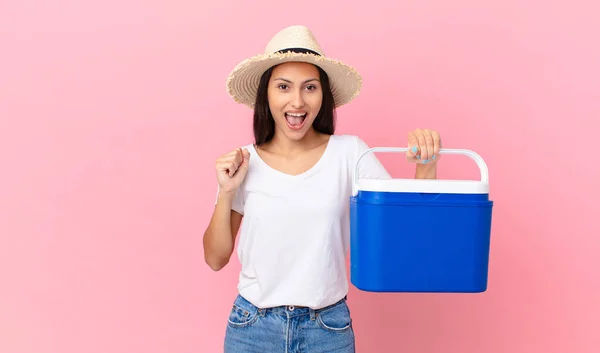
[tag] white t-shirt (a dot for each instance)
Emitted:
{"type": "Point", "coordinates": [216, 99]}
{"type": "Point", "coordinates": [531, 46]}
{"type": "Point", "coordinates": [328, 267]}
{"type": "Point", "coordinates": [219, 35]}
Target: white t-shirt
{"type": "Point", "coordinates": [294, 236]}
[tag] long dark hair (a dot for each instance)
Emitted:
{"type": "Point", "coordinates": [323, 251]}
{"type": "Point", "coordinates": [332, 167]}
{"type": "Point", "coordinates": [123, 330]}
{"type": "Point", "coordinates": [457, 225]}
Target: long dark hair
{"type": "Point", "coordinates": [264, 125]}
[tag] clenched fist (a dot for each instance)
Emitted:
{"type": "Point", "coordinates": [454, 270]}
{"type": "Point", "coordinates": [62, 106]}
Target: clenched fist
{"type": "Point", "coordinates": [232, 168]}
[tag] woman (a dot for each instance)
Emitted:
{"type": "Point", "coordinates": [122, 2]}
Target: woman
{"type": "Point", "coordinates": [292, 189]}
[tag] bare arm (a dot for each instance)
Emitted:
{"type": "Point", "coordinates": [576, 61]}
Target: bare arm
{"type": "Point", "coordinates": [219, 237]}
{"type": "Point", "coordinates": [426, 171]}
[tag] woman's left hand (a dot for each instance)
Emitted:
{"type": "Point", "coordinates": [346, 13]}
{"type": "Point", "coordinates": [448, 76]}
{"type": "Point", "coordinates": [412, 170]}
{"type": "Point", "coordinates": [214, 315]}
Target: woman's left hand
{"type": "Point", "coordinates": [423, 146]}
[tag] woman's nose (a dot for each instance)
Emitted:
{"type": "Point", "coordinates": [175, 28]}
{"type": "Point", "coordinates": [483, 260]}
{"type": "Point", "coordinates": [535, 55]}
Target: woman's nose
{"type": "Point", "coordinates": [297, 99]}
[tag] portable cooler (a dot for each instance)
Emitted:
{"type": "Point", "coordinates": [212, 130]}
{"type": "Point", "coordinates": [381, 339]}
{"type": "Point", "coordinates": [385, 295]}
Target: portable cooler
{"type": "Point", "coordinates": [418, 235]}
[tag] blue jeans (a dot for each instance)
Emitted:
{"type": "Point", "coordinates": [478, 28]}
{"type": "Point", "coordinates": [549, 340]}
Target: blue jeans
{"type": "Point", "coordinates": [289, 329]}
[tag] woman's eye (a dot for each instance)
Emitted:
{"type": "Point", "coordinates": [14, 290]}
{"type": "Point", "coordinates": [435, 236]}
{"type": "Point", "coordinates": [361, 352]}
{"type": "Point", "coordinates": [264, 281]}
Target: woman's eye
{"type": "Point", "coordinates": [282, 86]}
{"type": "Point", "coordinates": [311, 87]}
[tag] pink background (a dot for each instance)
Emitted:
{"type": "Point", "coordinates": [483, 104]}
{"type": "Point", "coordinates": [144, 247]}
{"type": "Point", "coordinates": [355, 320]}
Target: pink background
{"type": "Point", "coordinates": [113, 113]}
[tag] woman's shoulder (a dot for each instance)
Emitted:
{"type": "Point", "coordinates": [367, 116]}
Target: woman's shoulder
{"type": "Point", "coordinates": [346, 140]}
{"type": "Point", "coordinates": [350, 143]}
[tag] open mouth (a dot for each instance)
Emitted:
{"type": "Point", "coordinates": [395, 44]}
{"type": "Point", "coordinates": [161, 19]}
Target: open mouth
{"type": "Point", "coordinates": [295, 121]}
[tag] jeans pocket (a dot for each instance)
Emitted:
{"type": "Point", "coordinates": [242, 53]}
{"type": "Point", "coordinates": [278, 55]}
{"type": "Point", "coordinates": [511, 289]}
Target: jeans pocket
{"type": "Point", "coordinates": [240, 317]}
{"type": "Point", "coordinates": [336, 318]}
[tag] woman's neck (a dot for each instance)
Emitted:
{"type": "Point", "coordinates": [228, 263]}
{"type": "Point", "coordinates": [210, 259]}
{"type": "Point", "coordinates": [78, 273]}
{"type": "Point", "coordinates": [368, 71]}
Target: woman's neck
{"type": "Point", "coordinates": [280, 144]}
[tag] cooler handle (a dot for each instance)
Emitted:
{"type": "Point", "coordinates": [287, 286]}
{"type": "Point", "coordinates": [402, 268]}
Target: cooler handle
{"type": "Point", "coordinates": [474, 156]}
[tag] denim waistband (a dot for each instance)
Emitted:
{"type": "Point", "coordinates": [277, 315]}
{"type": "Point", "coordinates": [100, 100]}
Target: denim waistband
{"type": "Point", "coordinates": [288, 310]}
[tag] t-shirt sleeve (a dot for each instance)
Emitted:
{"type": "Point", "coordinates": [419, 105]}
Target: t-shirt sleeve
{"type": "Point", "coordinates": [237, 204]}
{"type": "Point", "coordinates": [369, 166]}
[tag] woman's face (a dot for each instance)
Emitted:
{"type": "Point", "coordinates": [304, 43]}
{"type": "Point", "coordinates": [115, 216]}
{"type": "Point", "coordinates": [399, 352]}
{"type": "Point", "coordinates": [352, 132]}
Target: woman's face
{"type": "Point", "coordinates": [295, 96]}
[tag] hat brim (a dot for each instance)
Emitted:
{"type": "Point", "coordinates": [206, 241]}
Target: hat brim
{"type": "Point", "coordinates": [243, 81]}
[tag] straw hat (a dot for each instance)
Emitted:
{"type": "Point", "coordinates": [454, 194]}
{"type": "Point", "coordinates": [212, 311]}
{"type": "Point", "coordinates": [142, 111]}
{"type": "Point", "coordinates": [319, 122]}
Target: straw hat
{"type": "Point", "coordinates": [294, 43]}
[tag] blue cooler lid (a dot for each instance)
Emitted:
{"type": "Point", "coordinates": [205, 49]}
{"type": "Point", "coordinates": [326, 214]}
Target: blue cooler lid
{"type": "Point", "coordinates": [423, 185]}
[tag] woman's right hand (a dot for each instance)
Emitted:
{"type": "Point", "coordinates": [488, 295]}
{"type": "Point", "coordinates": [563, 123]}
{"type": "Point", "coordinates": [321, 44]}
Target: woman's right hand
{"type": "Point", "coordinates": [231, 169]}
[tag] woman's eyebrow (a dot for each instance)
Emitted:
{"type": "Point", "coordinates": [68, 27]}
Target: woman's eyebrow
{"type": "Point", "coordinates": [288, 81]}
